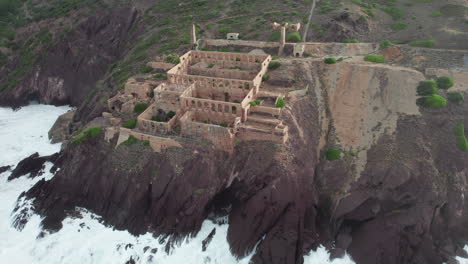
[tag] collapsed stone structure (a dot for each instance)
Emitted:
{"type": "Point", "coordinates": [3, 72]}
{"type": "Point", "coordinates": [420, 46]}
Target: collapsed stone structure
{"type": "Point", "coordinates": [210, 96]}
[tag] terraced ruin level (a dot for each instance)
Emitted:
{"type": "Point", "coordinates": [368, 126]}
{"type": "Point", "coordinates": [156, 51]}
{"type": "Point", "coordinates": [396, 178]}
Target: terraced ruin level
{"type": "Point", "coordinates": [210, 96]}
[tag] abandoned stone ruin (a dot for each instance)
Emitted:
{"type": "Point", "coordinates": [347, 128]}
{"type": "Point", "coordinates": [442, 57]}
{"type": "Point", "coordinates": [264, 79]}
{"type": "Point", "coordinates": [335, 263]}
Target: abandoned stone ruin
{"type": "Point", "coordinates": [209, 96]}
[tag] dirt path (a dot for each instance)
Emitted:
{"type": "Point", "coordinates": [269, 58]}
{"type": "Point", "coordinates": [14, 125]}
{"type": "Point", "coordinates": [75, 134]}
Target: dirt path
{"type": "Point", "coordinates": [306, 28]}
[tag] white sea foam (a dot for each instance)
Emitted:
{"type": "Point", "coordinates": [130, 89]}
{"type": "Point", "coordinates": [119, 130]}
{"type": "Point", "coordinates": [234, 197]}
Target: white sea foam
{"type": "Point", "coordinates": [86, 240]}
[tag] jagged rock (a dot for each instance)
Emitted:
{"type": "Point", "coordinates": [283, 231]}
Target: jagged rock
{"type": "Point", "coordinates": [4, 168]}
{"type": "Point", "coordinates": [60, 131]}
{"type": "Point", "coordinates": [33, 164]}
{"type": "Point", "coordinates": [207, 240]}
{"type": "Point", "coordinates": [337, 253]}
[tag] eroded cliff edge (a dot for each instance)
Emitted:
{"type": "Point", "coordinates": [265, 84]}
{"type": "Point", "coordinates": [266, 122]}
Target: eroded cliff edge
{"type": "Point", "coordinates": [397, 196]}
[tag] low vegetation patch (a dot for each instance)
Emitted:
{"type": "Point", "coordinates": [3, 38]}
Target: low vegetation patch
{"type": "Point", "coordinates": [399, 26]}
{"type": "Point", "coordinates": [130, 124]}
{"type": "Point", "coordinates": [444, 82]}
{"type": "Point", "coordinates": [130, 141]}
{"type": "Point", "coordinates": [140, 108]}
{"type": "Point", "coordinates": [455, 97]}
{"type": "Point", "coordinates": [394, 11]}
{"type": "Point", "coordinates": [332, 154]}
{"type": "Point", "coordinates": [293, 37]}
{"type": "Point", "coordinates": [146, 69]}
{"type": "Point", "coordinates": [328, 6]}
{"type": "Point", "coordinates": [330, 60]}
{"type": "Point", "coordinates": [255, 102]}
{"type": "Point", "coordinates": [377, 58]}
{"type": "Point", "coordinates": [160, 76]}
{"type": "Point", "coordinates": [280, 103]}
{"type": "Point", "coordinates": [428, 87]}
{"type": "Point", "coordinates": [89, 133]}
{"type": "Point", "coordinates": [451, 10]}
{"type": "Point", "coordinates": [386, 44]}
{"type": "Point", "coordinates": [436, 13]}
{"type": "Point", "coordinates": [172, 58]}
{"type": "Point", "coordinates": [462, 142]}
{"type": "Point", "coordinates": [432, 101]}
{"type": "Point", "coordinates": [266, 77]}
{"type": "Point", "coordinates": [274, 65]}
{"type": "Point", "coordinates": [350, 41]}
{"type": "Point", "coordinates": [422, 43]}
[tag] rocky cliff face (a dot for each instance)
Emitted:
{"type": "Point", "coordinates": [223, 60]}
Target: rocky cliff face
{"type": "Point", "coordinates": [68, 71]}
{"type": "Point", "coordinates": [401, 197]}
{"type": "Point", "coordinates": [396, 196]}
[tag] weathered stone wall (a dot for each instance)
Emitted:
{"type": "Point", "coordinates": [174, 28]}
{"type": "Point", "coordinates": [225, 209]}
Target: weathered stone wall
{"type": "Point", "coordinates": [222, 73]}
{"type": "Point", "coordinates": [248, 133]}
{"type": "Point", "coordinates": [243, 45]}
{"type": "Point", "coordinates": [229, 110]}
{"type": "Point", "coordinates": [139, 89]}
{"type": "Point", "coordinates": [145, 123]}
{"type": "Point", "coordinates": [246, 66]}
{"type": "Point", "coordinates": [227, 56]}
{"type": "Point", "coordinates": [158, 144]}
{"type": "Point", "coordinates": [209, 81]}
{"type": "Point", "coordinates": [221, 137]}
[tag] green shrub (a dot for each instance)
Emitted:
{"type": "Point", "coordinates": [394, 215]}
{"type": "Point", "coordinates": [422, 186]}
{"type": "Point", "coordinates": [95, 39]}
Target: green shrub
{"type": "Point", "coordinates": [275, 58]}
{"type": "Point", "coordinates": [462, 142]}
{"type": "Point", "coordinates": [173, 58]}
{"type": "Point", "coordinates": [436, 13]}
{"type": "Point", "coordinates": [386, 43]}
{"type": "Point", "coordinates": [309, 54]}
{"type": "Point", "coordinates": [211, 65]}
{"type": "Point", "coordinates": [280, 103]}
{"type": "Point", "coordinates": [146, 69]}
{"type": "Point", "coordinates": [293, 37]}
{"type": "Point", "coordinates": [130, 124]}
{"type": "Point", "coordinates": [333, 154]}
{"type": "Point", "coordinates": [130, 141]}
{"type": "Point", "coordinates": [255, 102]}
{"type": "Point", "coordinates": [444, 82]}
{"type": "Point", "coordinates": [89, 133]}
{"type": "Point", "coordinates": [160, 76]}
{"type": "Point", "coordinates": [432, 101]}
{"type": "Point", "coordinates": [274, 65]}
{"type": "Point", "coordinates": [140, 108]}
{"type": "Point", "coordinates": [330, 60]}
{"type": "Point", "coordinates": [428, 87]}
{"type": "Point", "coordinates": [455, 97]}
{"type": "Point", "coordinates": [399, 26]}
{"type": "Point", "coordinates": [275, 36]}
{"type": "Point", "coordinates": [377, 58]}
{"type": "Point", "coordinates": [3, 59]}
{"type": "Point", "coordinates": [6, 33]}
{"type": "Point", "coordinates": [350, 41]}
{"type": "Point", "coordinates": [266, 77]}
{"type": "Point", "coordinates": [395, 12]}
{"type": "Point", "coordinates": [422, 43]}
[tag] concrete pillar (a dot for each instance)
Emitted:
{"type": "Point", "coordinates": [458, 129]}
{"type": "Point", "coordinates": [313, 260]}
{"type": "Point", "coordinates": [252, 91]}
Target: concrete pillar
{"type": "Point", "coordinates": [282, 40]}
{"type": "Point", "coordinates": [193, 36]}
